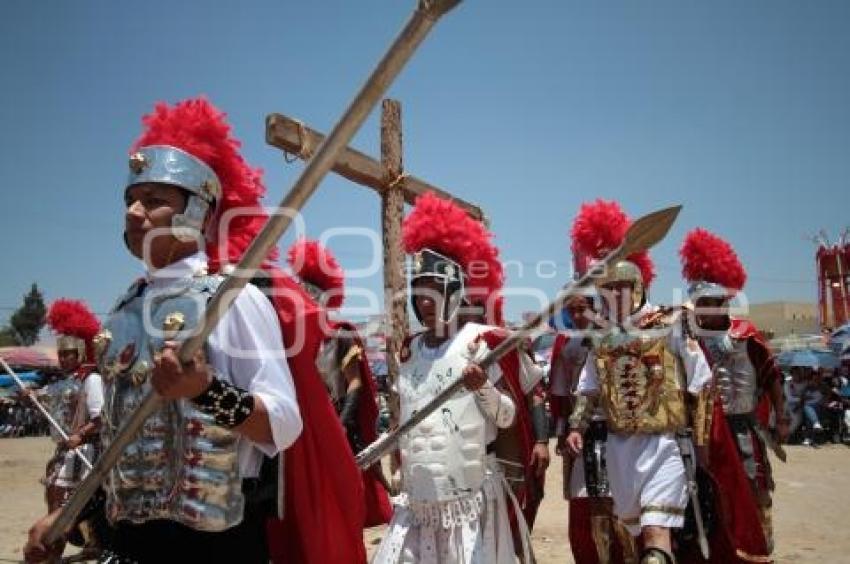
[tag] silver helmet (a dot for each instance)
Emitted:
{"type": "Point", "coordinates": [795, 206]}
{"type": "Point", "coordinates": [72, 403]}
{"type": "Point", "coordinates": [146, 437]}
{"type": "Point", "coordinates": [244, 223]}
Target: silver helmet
{"type": "Point", "coordinates": [164, 164]}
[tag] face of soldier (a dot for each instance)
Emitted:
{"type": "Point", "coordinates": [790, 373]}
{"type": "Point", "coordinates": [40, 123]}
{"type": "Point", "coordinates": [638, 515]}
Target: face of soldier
{"type": "Point", "coordinates": [428, 297]}
{"type": "Point", "coordinates": [147, 224]}
{"type": "Point", "coordinates": [69, 360]}
{"type": "Point", "coordinates": [617, 301]}
{"type": "Point", "coordinates": [712, 313]}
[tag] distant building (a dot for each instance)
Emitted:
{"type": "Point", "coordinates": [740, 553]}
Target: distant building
{"type": "Point", "coordinates": [781, 319]}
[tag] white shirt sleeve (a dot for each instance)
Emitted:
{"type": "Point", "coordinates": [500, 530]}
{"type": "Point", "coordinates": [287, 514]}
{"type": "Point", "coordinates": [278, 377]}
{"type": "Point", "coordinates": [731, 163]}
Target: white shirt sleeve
{"type": "Point", "coordinates": [529, 372]}
{"type": "Point", "coordinates": [697, 371]}
{"type": "Point", "coordinates": [94, 395]}
{"type": "Point", "coordinates": [496, 405]}
{"type": "Point", "coordinates": [246, 348]}
{"type": "Point", "coordinates": [588, 380]}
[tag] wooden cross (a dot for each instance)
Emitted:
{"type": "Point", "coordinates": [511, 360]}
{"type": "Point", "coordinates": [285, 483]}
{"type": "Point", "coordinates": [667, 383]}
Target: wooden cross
{"type": "Point", "coordinates": [388, 179]}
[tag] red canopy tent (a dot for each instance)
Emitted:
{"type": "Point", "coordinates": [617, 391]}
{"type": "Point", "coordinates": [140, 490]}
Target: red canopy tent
{"type": "Point", "coordinates": [29, 357]}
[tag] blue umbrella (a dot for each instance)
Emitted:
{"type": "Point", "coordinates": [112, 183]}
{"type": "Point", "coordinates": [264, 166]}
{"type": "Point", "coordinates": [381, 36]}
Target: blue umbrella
{"type": "Point", "coordinates": [6, 380]}
{"type": "Point", "coordinates": [809, 358]}
{"type": "Point", "coordinates": [840, 338]}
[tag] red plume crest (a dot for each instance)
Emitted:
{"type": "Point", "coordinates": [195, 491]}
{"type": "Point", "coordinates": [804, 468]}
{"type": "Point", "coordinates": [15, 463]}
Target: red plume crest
{"type": "Point", "coordinates": [315, 264]}
{"type": "Point", "coordinates": [709, 258]}
{"type": "Point", "coordinates": [445, 227]}
{"type": "Point", "coordinates": [599, 228]}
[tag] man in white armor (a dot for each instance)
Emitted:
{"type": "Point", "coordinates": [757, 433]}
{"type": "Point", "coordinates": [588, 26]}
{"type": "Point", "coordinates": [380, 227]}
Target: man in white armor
{"type": "Point", "coordinates": [454, 501]}
{"type": "Point", "coordinates": [641, 371]}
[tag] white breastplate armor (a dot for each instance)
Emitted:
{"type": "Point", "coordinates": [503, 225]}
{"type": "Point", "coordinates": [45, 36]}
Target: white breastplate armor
{"type": "Point", "coordinates": [443, 458]}
{"type": "Point", "coordinates": [735, 374]}
{"type": "Point", "coordinates": [181, 466]}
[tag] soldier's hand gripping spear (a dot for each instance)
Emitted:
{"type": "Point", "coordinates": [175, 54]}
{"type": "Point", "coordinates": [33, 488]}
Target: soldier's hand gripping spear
{"type": "Point", "coordinates": [426, 15]}
{"type": "Point", "coordinates": [643, 234]}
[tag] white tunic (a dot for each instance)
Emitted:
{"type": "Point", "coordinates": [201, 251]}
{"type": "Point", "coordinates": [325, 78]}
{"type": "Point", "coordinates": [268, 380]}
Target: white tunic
{"type": "Point", "coordinates": [483, 534]}
{"type": "Point", "coordinates": [646, 472]}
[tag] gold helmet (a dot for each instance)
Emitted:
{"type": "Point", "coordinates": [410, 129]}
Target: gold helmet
{"type": "Point", "coordinates": [625, 271]}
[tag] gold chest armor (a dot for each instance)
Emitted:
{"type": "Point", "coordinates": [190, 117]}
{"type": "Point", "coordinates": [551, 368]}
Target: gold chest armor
{"type": "Point", "coordinates": [641, 384]}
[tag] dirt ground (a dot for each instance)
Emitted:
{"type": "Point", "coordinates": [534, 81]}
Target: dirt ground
{"type": "Point", "coordinates": [811, 508]}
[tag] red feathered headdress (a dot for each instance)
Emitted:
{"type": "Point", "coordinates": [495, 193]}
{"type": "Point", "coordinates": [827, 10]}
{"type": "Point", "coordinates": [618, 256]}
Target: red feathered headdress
{"type": "Point", "coordinates": [201, 129]}
{"type": "Point", "coordinates": [72, 318]}
{"type": "Point", "coordinates": [598, 229]}
{"type": "Point", "coordinates": [708, 258]}
{"type": "Point", "coordinates": [316, 265]}
{"type": "Point", "coordinates": [444, 227]}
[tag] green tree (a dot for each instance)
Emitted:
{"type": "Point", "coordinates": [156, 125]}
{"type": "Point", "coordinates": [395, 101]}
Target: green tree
{"type": "Point", "coordinates": [28, 320]}
{"type": "Point", "coordinates": [8, 337]}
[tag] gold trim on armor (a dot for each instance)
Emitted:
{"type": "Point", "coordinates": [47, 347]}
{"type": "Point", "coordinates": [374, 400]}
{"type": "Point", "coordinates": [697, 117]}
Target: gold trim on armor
{"type": "Point", "coordinates": [630, 520]}
{"type": "Point", "coordinates": [702, 413]}
{"type": "Point", "coordinates": [752, 557]}
{"type": "Point", "coordinates": [355, 352]}
{"type": "Point", "coordinates": [669, 509]}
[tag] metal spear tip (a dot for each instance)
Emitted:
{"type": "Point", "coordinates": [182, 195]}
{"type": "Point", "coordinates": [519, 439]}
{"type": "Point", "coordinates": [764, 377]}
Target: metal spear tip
{"type": "Point", "coordinates": [648, 230]}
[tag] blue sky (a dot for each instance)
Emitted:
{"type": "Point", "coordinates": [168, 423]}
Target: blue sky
{"type": "Point", "coordinates": [737, 110]}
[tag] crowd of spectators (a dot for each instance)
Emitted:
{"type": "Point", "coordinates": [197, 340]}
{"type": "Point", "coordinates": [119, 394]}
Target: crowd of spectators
{"type": "Point", "coordinates": [18, 418]}
{"type": "Point", "coordinates": [818, 402]}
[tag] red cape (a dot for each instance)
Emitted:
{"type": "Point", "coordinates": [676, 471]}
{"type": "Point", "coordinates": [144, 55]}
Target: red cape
{"type": "Point", "coordinates": [323, 497]}
{"type": "Point", "coordinates": [580, 529]}
{"type": "Point", "coordinates": [581, 535]}
{"type": "Point", "coordinates": [531, 494]}
{"type": "Point", "coordinates": [378, 507]}
{"type": "Point", "coordinates": [555, 407]}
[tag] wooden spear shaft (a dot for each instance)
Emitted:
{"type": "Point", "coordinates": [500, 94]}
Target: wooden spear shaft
{"type": "Point", "coordinates": [427, 13]}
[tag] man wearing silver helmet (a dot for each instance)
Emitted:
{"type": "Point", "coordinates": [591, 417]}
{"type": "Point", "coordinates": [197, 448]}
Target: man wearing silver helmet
{"type": "Point", "coordinates": [642, 371]}
{"type": "Point", "coordinates": [186, 484]}
{"type": "Point", "coordinates": [75, 401]}
{"type": "Point", "coordinates": [748, 386]}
